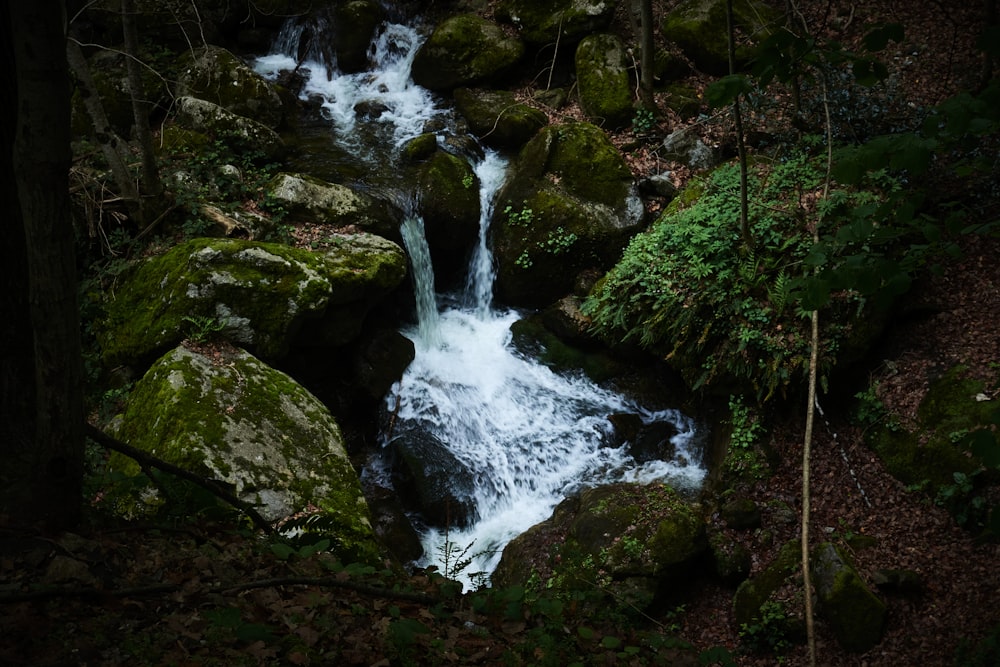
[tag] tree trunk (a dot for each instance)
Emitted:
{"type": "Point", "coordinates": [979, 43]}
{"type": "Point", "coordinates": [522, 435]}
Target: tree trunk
{"type": "Point", "coordinates": [151, 184]}
{"type": "Point", "coordinates": [647, 54]}
{"type": "Point", "coordinates": [45, 459]}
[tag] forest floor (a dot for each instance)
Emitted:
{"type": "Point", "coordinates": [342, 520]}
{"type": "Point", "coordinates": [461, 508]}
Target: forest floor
{"type": "Point", "coordinates": [198, 593]}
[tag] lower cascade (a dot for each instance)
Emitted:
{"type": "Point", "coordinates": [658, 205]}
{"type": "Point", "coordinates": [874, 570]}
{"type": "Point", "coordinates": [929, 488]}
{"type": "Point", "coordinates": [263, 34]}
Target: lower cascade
{"type": "Point", "coordinates": [510, 436]}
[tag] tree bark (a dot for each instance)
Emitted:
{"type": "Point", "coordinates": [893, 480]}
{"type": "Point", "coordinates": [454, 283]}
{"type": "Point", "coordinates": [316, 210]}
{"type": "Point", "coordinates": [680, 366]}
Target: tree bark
{"type": "Point", "coordinates": [47, 455]}
{"type": "Point", "coordinates": [647, 54]}
{"type": "Point", "coordinates": [151, 184]}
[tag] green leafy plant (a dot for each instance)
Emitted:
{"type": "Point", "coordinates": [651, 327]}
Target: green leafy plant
{"type": "Point", "coordinates": [769, 633]}
{"type": "Point", "coordinates": [522, 217]}
{"type": "Point", "coordinates": [643, 121]}
{"type": "Point", "coordinates": [201, 328]}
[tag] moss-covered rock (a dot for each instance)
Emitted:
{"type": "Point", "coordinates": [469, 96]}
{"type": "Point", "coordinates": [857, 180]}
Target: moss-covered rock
{"type": "Point", "coordinates": [315, 200]}
{"type": "Point", "coordinates": [603, 80]}
{"type": "Point", "coordinates": [215, 75]}
{"type": "Point", "coordinates": [228, 416]}
{"type": "Point", "coordinates": [856, 616]}
{"type": "Point", "coordinates": [251, 293]}
{"type": "Point", "coordinates": [546, 21]}
{"type": "Point", "coordinates": [449, 204]}
{"type": "Point", "coordinates": [569, 205]}
{"type": "Point", "coordinates": [635, 541]}
{"type": "Point", "coordinates": [757, 590]}
{"type": "Point", "coordinates": [698, 27]}
{"type": "Point", "coordinates": [931, 452]}
{"type": "Point", "coordinates": [239, 132]}
{"type": "Point", "coordinates": [464, 50]}
{"type": "Point", "coordinates": [497, 118]}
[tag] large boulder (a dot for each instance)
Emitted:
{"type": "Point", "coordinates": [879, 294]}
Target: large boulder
{"type": "Point", "coordinates": [225, 415]}
{"type": "Point", "coordinates": [569, 205]}
{"type": "Point", "coordinates": [636, 541]}
{"type": "Point", "coordinates": [211, 120]}
{"type": "Point", "coordinates": [497, 118]}
{"type": "Point", "coordinates": [215, 75]}
{"type": "Point", "coordinates": [541, 22]}
{"type": "Point", "coordinates": [465, 50]}
{"type": "Point", "coordinates": [603, 78]}
{"type": "Point", "coordinates": [698, 27]}
{"type": "Point", "coordinates": [313, 199]}
{"type": "Point", "coordinates": [855, 614]}
{"type": "Point", "coordinates": [254, 294]}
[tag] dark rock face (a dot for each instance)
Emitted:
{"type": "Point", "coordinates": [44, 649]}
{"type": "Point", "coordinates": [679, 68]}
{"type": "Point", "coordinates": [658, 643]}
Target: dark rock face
{"type": "Point", "coordinates": [432, 479]}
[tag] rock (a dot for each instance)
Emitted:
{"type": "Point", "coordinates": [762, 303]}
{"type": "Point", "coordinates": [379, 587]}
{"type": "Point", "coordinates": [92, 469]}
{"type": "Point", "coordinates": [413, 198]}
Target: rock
{"type": "Point", "coordinates": [698, 27]}
{"type": "Point", "coordinates": [224, 414]}
{"type": "Point", "coordinates": [731, 560]}
{"type": "Point", "coordinates": [251, 293]}
{"type": "Point", "coordinates": [856, 616]}
{"type": "Point", "coordinates": [465, 50]}
{"type": "Point", "coordinates": [497, 118]}
{"type": "Point", "coordinates": [449, 205]}
{"type": "Point", "coordinates": [754, 592]}
{"type": "Point", "coordinates": [434, 481]}
{"type": "Point", "coordinates": [659, 185]}
{"type": "Point", "coordinates": [569, 205]}
{"type": "Point", "coordinates": [903, 582]}
{"type": "Point", "coordinates": [685, 146]}
{"type": "Point", "coordinates": [315, 200]}
{"type": "Point", "coordinates": [354, 25]}
{"type": "Point", "coordinates": [603, 80]}
{"type": "Point", "coordinates": [636, 541]}
{"type": "Point", "coordinates": [215, 75]}
{"type": "Point", "coordinates": [240, 132]}
{"type": "Point", "coordinates": [543, 22]}
{"type": "Point", "coordinates": [741, 514]}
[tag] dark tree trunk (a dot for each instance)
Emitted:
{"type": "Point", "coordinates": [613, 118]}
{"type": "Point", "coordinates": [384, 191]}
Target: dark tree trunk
{"type": "Point", "coordinates": [151, 184]}
{"type": "Point", "coordinates": [44, 458]}
{"type": "Point", "coordinates": [647, 54]}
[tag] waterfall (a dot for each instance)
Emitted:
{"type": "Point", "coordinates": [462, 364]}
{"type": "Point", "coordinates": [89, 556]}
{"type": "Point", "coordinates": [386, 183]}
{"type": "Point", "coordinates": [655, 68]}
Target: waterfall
{"type": "Point", "coordinates": [519, 437]}
{"type": "Point", "coordinates": [428, 320]}
{"type": "Point", "coordinates": [522, 436]}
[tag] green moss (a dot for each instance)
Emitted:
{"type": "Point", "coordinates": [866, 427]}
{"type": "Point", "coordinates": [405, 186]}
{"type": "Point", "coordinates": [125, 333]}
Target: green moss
{"type": "Point", "coordinates": [754, 592]}
{"type": "Point", "coordinates": [232, 418]}
{"type": "Point", "coordinates": [588, 164]}
{"type": "Point", "coordinates": [605, 89]}
{"type": "Point", "coordinates": [932, 452]}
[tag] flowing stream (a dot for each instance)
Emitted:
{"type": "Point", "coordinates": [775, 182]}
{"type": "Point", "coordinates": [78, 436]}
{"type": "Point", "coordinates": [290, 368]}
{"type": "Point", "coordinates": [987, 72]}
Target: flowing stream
{"type": "Point", "coordinates": [522, 436]}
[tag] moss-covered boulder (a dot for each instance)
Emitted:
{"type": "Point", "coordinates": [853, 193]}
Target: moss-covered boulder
{"type": "Point", "coordinates": [254, 294]}
{"type": "Point", "coordinates": [497, 118]}
{"type": "Point", "coordinates": [224, 414]}
{"type": "Point", "coordinates": [449, 205]}
{"type": "Point", "coordinates": [315, 200]}
{"type": "Point", "coordinates": [855, 614]}
{"type": "Point", "coordinates": [569, 205]}
{"type": "Point", "coordinates": [215, 75]}
{"type": "Point", "coordinates": [603, 79]}
{"type": "Point", "coordinates": [698, 27]}
{"type": "Point", "coordinates": [465, 50]}
{"type": "Point", "coordinates": [241, 133]}
{"type": "Point", "coordinates": [541, 22]}
{"type": "Point", "coordinates": [754, 592]}
{"type": "Point", "coordinates": [932, 451]}
{"type": "Point", "coordinates": [637, 542]}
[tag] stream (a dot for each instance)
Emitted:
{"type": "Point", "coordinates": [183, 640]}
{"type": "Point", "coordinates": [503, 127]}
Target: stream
{"type": "Point", "coordinates": [519, 436]}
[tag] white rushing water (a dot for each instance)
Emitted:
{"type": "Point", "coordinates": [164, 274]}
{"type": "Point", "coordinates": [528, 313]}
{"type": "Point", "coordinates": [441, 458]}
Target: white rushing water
{"type": "Point", "coordinates": [524, 435]}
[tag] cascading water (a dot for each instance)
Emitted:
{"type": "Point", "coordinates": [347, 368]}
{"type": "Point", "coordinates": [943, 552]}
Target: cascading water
{"type": "Point", "coordinates": [518, 437]}
{"type": "Point", "coordinates": [521, 435]}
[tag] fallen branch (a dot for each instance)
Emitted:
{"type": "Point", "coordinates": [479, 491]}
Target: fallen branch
{"type": "Point", "coordinates": [145, 459]}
